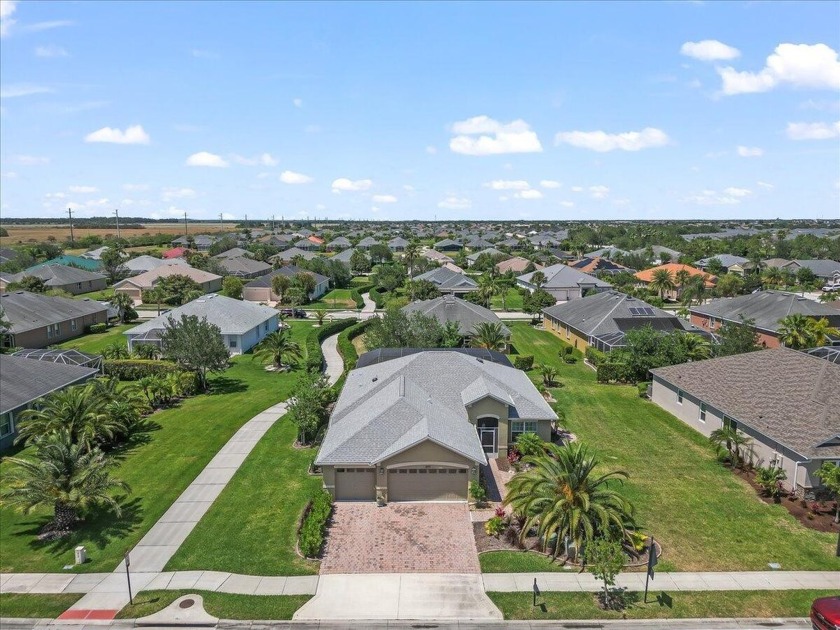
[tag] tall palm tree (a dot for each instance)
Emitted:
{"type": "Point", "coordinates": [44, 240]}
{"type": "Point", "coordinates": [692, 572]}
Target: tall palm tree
{"type": "Point", "coordinates": [696, 347]}
{"type": "Point", "coordinates": [412, 250]}
{"type": "Point", "coordinates": [489, 286]}
{"type": "Point", "coordinates": [821, 329]}
{"type": "Point", "coordinates": [682, 278]}
{"type": "Point", "coordinates": [772, 276]}
{"type": "Point", "coordinates": [277, 345]}
{"type": "Point", "coordinates": [662, 281]}
{"type": "Point", "coordinates": [561, 494]}
{"type": "Point", "coordinates": [64, 476]}
{"type": "Point", "coordinates": [122, 302]}
{"type": "Point", "coordinates": [489, 335]}
{"type": "Point", "coordinates": [154, 295]}
{"type": "Point", "coordinates": [796, 331]}
{"type": "Point", "coordinates": [538, 279]}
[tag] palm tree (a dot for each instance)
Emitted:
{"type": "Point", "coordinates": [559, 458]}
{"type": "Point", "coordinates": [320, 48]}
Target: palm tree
{"type": "Point", "coordinates": [276, 345]}
{"type": "Point", "coordinates": [489, 335]}
{"type": "Point", "coordinates": [733, 439]}
{"type": "Point", "coordinates": [662, 281]}
{"type": "Point", "coordinates": [795, 331]}
{"type": "Point", "coordinates": [682, 278]}
{"type": "Point", "coordinates": [122, 302]}
{"type": "Point", "coordinates": [155, 294]}
{"type": "Point", "coordinates": [822, 330]}
{"type": "Point", "coordinates": [562, 495]}
{"type": "Point", "coordinates": [65, 476]}
{"type": "Point", "coordinates": [549, 373]}
{"type": "Point", "coordinates": [696, 347]}
{"type": "Point", "coordinates": [538, 279]}
{"type": "Point", "coordinates": [489, 286]}
{"type": "Point", "coordinates": [320, 315]}
{"type": "Point", "coordinates": [116, 350]}
{"type": "Point", "coordinates": [772, 276]}
{"type": "Point", "coordinates": [412, 250]}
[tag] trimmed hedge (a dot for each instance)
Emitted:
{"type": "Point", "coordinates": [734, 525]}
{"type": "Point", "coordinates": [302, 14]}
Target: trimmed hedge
{"type": "Point", "coordinates": [345, 343]}
{"type": "Point", "coordinates": [135, 369]}
{"type": "Point", "coordinates": [314, 526]}
{"type": "Point", "coordinates": [356, 294]}
{"type": "Point", "coordinates": [595, 356]}
{"type": "Point", "coordinates": [610, 372]}
{"type": "Point", "coordinates": [97, 328]}
{"type": "Point", "coordinates": [314, 355]}
{"type": "Point", "coordinates": [523, 362]}
{"type": "Point", "coordinates": [379, 296]}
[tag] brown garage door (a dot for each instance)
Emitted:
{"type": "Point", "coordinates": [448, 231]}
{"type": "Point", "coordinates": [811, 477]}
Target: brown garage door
{"type": "Point", "coordinates": [355, 484]}
{"type": "Point", "coordinates": [437, 483]}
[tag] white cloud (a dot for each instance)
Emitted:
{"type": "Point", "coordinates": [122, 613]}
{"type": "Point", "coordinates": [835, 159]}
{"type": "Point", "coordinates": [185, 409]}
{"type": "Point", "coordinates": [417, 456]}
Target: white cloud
{"type": "Point", "coordinates": [737, 192]}
{"type": "Point", "coordinates": [9, 175]}
{"type": "Point", "coordinates": [813, 131]}
{"type": "Point", "coordinates": [550, 183]}
{"type": "Point", "coordinates": [601, 141]}
{"type": "Point", "coordinates": [599, 192]}
{"type": "Point", "coordinates": [455, 203]}
{"type": "Point", "coordinates": [264, 159]}
{"type": "Point", "coordinates": [203, 158]}
{"type": "Point", "coordinates": [481, 135]}
{"type": "Point", "coordinates": [799, 65]}
{"type": "Point", "coordinates": [709, 50]}
{"type": "Point", "coordinates": [58, 195]}
{"type": "Point", "coordinates": [290, 177]}
{"type": "Point", "coordinates": [750, 151]}
{"type": "Point", "coordinates": [506, 184]}
{"type": "Point", "coordinates": [7, 8]}
{"type": "Point", "coordinates": [135, 187]}
{"type": "Point", "coordinates": [567, 204]}
{"type": "Point", "coordinates": [408, 188]}
{"type": "Point", "coordinates": [16, 90]}
{"type": "Point", "coordinates": [30, 160]}
{"type": "Point", "coordinates": [431, 150]}
{"type": "Point", "coordinates": [347, 185]}
{"type": "Point", "coordinates": [132, 135]}
{"type": "Point", "coordinates": [297, 102]}
{"type": "Point", "coordinates": [47, 52]}
{"type": "Point", "coordinates": [714, 198]}
{"type": "Point", "coordinates": [529, 194]}
{"type": "Point", "coordinates": [82, 190]}
{"type": "Point", "coordinates": [171, 194]}
{"type": "Point", "coordinates": [765, 185]}
{"type": "Point", "coordinates": [38, 27]}
{"type": "Point", "coordinates": [577, 189]}
{"type": "Point", "coordinates": [384, 199]}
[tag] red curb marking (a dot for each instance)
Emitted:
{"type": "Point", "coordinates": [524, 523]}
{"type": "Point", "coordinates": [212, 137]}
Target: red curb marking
{"type": "Point", "coordinates": [81, 613]}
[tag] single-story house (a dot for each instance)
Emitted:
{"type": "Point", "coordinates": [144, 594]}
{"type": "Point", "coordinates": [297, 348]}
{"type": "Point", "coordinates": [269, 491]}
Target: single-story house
{"type": "Point", "coordinates": [175, 252]}
{"type": "Point", "coordinates": [449, 308]}
{"type": "Point", "coordinates": [367, 242]}
{"type": "Point", "coordinates": [784, 400]}
{"type": "Point", "coordinates": [134, 286]}
{"type": "Point", "coordinates": [564, 283]}
{"type": "Point", "coordinates": [435, 256]}
{"type": "Point", "coordinates": [74, 281]}
{"type": "Point", "coordinates": [418, 426]}
{"type": "Point", "coordinates": [291, 254]}
{"type": "Point", "coordinates": [659, 253]}
{"type": "Point", "coordinates": [448, 281]}
{"type": "Point", "coordinates": [233, 252]}
{"type": "Point", "coordinates": [448, 245]}
{"type": "Point", "coordinates": [201, 242]}
{"type": "Point", "coordinates": [259, 290]}
{"type": "Point", "coordinates": [24, 381]}
{"type": "Point", "coordinates": [142, 264]}
{"type": "Point", "coordinates": [397, 244]}
{"type": "Point", "coordinates": [478, 243]}
{"type": "Point", "coordinates": [517, 264]}
{"type": "Point", "coordinates": [645, 277]}
{"type": "Point", "coordinates": [823, 269]}
{"type": "Point", "coordinates": [602, 320]}
{"type": "Point", "coordinates": [244, 267]}
{"type": "Point", "coordinates": [345, 255]}
{"type": "Point", "coordinates": [599, 265]}
{"type": "Point", "coordinates": [338, 244]}
{"type": "Point", "coordinates": [726, 261]}
{"type": "Point", "coordinates": [37, 321]}
{"type": "Point", "coordinates": [766, 308]}
{"type": "Point", "coordinates": [243, 324]}
{"type": "Point", "coordinates": [88, 264]}
{"type": "Point", "coordinates": [306, 245]}
{"type": "Point", "coordinates": [490, 251]}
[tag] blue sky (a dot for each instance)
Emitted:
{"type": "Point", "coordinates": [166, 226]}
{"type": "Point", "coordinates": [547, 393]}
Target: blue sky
{"type": "Point", "coordinates": [421, 111]}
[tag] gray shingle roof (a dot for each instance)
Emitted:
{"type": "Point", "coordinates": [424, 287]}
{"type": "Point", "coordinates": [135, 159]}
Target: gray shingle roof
{"type": "Point", "coordinates": [234, 252]}
{"type": "Point", "coordinates": [241, 266]}
{"type": "Point", "coordinates": [234, 317]}
{"type": "Point", "coordinates": [286, 270]}
{"type": "Point", "coordinates": [142, 264]}
{"type": "Point", "coordinates": [293, 252]}
{"type": "Point", "coordinates": [727, 260]}
{"type": "Point", "coordinates": [788, 396]}
{"type": "Point", "coordinates": [57, 275]}
{"type": "Point", "coordinates": [490, 251]}
{"type": "Point", "coordinates": [766, 308]}
{"type": "Point", "coordinates": [446, 279]}
{"type": "Point", "coordinates": [28, 311]}
{"type": "Point", "coordinates": [25, 380]}
{"type": "Point", "coordinates": [821, 268]}
{"type": "Point", "coordinates": [449, 308]}
{"type": "Point", "coordinates": [388, 407]}
{"type": "Point", "coordinates": [560, 276]}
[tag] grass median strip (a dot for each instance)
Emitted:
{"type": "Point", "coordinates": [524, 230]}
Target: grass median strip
{"type": "Point", "coordinates": [221, 605]}
{"type": "Point", "coordinates": [36, 606]}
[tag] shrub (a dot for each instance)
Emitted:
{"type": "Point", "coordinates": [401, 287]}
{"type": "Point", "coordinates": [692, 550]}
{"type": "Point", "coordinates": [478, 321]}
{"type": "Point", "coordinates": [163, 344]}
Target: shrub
{"type": "Point", "coordinates": [568, 350]}
{"type": "Point", "coordinates": [570, 359]}
{"type": "Point", "coordinates": [135, 369]}
{"type": "Point", "coordinates": [643, 388]}
{"type": "Point", "coordinates": [495, 526]}
{"type": "Point", "coordinates": [345, 343]}
{"type": "Point", "coordinates": [356, 294]}
{"type": "Point", "coordinates": [97, 328]}
{"type": "Point", "coordinates": [529, 444]}
{"type": "Point", "coordinates": [379, 296]}
{"type": "Point", "coordinates": [524, 362]}
{"type": "Point", "coordinates": [595, 356]}
{"type": "Point", "coordinates": [613, 372]}
{"type": "Point", "coordinates": [314, 526]}
{"type": "Point", "coordinates": [314, 356]}
{"type": "Point", "coordinates": [478, 493]}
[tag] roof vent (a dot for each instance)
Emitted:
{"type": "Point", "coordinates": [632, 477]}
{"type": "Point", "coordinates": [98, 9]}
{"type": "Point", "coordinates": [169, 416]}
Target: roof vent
{"type": "Point", "coordinates": [374, 379]}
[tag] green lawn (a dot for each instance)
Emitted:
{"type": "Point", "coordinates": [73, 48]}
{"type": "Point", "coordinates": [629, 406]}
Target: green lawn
{"type": "Point", "coordinates": [158, 466]}
{"type": "Point", "coordinates": [222, 605]}
{"type": "Point", "coordinates": [99, 296]}
{"type": "Point", "coordinates": [705, 518]}
{"type": "Point", "coordinates": [95, 343]}
{"type": "Point", "coordinates": [513, 301]}
{"type": "Point", "coordinates": [675, 605]}
{"type": "Point", "coordinates": [36, 606]}
{"type": "Point", "coordinates": [336, 299]}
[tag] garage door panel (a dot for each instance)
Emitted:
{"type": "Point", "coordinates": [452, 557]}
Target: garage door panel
{"type": "Point", "coordinates": [355, 484]}
{"type": "Point", "coordinates": [428, 484]}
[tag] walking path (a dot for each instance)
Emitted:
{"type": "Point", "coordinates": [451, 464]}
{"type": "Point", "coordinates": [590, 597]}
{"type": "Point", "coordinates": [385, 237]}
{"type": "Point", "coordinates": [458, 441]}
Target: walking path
{"type": "Point", "coordinates": [107, 595]}
{"type": "Point", "coordinates": [369, 309]}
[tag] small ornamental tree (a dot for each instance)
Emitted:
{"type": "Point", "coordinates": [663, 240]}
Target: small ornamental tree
{"type": "Point", "coordinates": [829, 474]}
{"type": "Point", "coordinates": [112, 263]}
{"type": "Point", "coordinates": [232, 287]}
{"type": "Point", "coordinates": [308, 408]}
{"type": "Point", "coordinates": [196, 345]}
{"type": "Point", "coordinates": [605, 559]}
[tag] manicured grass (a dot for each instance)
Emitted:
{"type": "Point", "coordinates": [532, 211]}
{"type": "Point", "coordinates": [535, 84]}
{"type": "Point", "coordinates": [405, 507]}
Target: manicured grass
{"type": "Point", "coordinates": [158, 466]}
{"type": "Point", "coordinates": [95, 343]}
{"type": "Point", "coordinates": [518, 562]}
{"type": "Point", "coordinates": [335, 299]}
{"type": "Point", "coordinates": [36, 606]}
{"type": "Point", "coordinates": [99, 296]}
{"type": "Point", "coordinates": [513, 301]}
{"type": "Point", "coordinates": [222, 605]}
{"type": "Point", "coordinates": [705, 518]}
{"type": "Point", "coordinates": [674, 605]}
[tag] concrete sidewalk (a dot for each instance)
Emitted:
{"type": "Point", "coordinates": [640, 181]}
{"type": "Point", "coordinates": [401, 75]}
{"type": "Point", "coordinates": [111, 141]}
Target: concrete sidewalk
{"type": "Point", "coordinates": [369, 309]}
{"type": "Point", "coordinates": [334, 363]}
{"type": "Point", "coordinates": [711, 581]}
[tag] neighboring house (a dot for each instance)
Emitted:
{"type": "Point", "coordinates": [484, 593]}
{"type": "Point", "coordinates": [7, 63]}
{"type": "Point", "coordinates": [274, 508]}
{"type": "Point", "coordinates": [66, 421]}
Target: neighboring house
{"type": "Point", "coordinates": [564, 283]}
{"type": "Point", "coordinates": [290, 254]}
{"type": "Point", "coordinates": [823, 269]}
{"type": "Point", "coordinates": [766, 308]}
{"type": "Point", "coordinates": [726, 261]}
{"type": "Point", "coordinates": [134, 286]}
{"type": "Point", "coordinates": [517, 264]}
{"type": "Point", "coordinates": [8, 255]}
{"type": "Point", "coordinates": [233, 252]}
{"type": "Point", "coordinates": [74, 281]}
{"type": "Point", "coordinates": [449, 308]}
{"type": "Point", "coordinates": [436, 256]}
{"type": "Point", "coordinates": [645, 277]}
{"type": "Point", "coordinates": [511, 243]}
{"type": "Point", "coordinates": [599, 265]}
{"type": "Point", "coordinates": [603, 320]}
{"type": "Point", "coordinates": [175, 252]}
{"type": "Point", "coordinates": [784, 400]}
{"type": "Point", "coordinates": [82, 262]}
{"type": "Point", "coordinates": [338, 244]}
{"type": "Point", "coordinates": [306, 245]}
{"type": "Point", "coordinates": [398, 244]}
{"type": "Point", "coordinates": [448, 281]}
{"type": "Point", "coordinates": [279, 241]}
{"type": "Point", "coordinates": [448, 245]}
{"type": "Point", "coordinates": [243, 267]}
{"type": "Point", "coordinates": [660, 254]}
{"type": "Point", "coordinates": [259, 290]}
{"type": "Point", "coordinates": [367, 242]}
{"type": "Point", "coordinates": [201, 242]}
{"type": "Point", "coordinates": [416, 427]}
{"type": "Point", "coordinates": [606, 252]}
{"type": "Point", "coordinates": [243, 324]}
{"type": "Point", "coordinates": [479, 243]}
{"type": "Point", "coordinates": [142, 264]}
{"type": "Point", "coordinates": [38, 321]}
{"type": "Point", "coordinates": [490, 251]}
{"type": "Point", "coordinates": [24, 381]}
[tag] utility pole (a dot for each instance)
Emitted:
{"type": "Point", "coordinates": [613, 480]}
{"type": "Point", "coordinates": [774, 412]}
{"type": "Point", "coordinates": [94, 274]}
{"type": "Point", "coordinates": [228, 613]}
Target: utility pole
{"type": "Point", "coordinates": [246, 220]}
{"type": "Point", "coordinates": [272, 224]}
{"type": "Point", "coordinates": [186, 229]}
{"type": "Point", "coordinates": [70, 214]}
{"type": "Point", "coordinates": [221, 222]}
{"type": "Point", "coordinates": [117, 214]}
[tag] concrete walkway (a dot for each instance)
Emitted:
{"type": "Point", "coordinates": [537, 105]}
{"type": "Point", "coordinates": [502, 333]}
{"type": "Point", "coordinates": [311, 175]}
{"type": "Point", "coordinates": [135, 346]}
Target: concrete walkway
{"type": "Point", "coordinates": [369, 309]}
{"type": "Point", "coordinates": [334, 364]}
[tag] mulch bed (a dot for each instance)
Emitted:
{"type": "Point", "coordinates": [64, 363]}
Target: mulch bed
{"type": "Point", "coordinates": [822, 521]}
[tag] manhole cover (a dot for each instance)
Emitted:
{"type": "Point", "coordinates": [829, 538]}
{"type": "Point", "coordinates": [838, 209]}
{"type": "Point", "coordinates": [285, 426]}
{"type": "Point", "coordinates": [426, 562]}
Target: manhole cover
{"type": "Point", "coordinates": [187, 603]}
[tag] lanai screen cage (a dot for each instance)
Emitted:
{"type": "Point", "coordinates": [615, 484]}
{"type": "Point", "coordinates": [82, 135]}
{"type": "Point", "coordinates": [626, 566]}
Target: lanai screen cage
{"type": "Point", "coordinates": [59, 355]}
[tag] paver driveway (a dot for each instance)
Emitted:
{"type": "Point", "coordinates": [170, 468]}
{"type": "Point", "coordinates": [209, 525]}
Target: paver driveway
{"type": "Point", "coordinates": [400, 538]}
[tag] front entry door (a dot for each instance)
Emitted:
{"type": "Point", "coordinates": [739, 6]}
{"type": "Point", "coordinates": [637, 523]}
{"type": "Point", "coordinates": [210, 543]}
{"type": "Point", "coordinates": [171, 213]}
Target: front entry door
{"type": "Point", "coordinates": [488, 439]}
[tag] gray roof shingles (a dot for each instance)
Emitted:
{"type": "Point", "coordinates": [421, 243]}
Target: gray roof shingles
{"type": "Point", "coordinates": [29, 311]}
{"type": "Point", "coordinates": [449, 308]}
{"type": "Point", "coordinates": [766, 308]}
{"type": "Point", "coordinates": [23, 381]}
